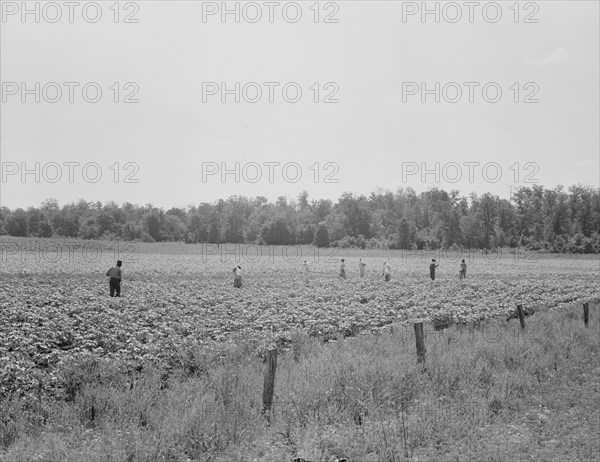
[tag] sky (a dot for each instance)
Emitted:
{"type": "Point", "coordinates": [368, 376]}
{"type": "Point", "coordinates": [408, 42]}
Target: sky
{"type": "Point", "coordinates": [332, 97]}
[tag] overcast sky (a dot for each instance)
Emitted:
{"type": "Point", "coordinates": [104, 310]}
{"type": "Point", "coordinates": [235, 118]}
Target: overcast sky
{"type": "Point", "coordinates": [372, 61]}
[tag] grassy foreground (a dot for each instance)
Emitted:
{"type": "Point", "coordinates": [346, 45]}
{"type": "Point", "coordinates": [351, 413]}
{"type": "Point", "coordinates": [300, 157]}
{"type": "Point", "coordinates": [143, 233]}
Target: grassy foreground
{"type": "Point", "coordinates": [487, 392]}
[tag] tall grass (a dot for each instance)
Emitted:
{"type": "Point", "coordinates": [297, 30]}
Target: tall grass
{"type": "Point", "coordinates": [489, 392]}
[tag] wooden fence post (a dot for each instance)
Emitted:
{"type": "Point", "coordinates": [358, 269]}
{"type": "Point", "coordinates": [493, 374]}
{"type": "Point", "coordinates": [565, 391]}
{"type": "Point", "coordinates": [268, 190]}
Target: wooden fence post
{"type": "Point", "coordinates": [269, 385]}
{"type": "Point", "coordinates": [521, 316]}
{"type": "Point", "coordinates": [586, 313]}
{"type": "Point", "coordinates": [420, 340]}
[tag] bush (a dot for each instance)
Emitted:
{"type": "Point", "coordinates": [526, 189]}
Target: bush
{"type": "Point", "coordinates": [146, 237]}
{"type": "Point", "coordinates": [588, 245]}
{"type": "Point", "coordinates": [442, 320]}
{"type": "Point", "coordinates": [351, 242]}
{"type": "Point", "coordinates": [109, 236]}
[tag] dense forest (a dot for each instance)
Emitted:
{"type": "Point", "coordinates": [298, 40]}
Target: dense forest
{"type": "Point", "coordinates": [536, 218]}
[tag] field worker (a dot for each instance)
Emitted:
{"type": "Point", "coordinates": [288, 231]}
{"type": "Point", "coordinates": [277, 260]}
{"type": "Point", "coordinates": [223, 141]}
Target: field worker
{"type": "Point", "coordinates": [387, 271]}
{"type": "Point", "coordinates": [115, 274]}
{"type": "Point", "coordinates": [343, 269]}
{"type": "Point", "coordinates": [305, 271]}
{"type": "Point", "coordinates": [361, 268]}
{"type": "Point", "coordinates": [432, 268]}
{"type": "Point", "coordinates": [237, 276]}
{"type": "Point", "coordinates": [463, 269]}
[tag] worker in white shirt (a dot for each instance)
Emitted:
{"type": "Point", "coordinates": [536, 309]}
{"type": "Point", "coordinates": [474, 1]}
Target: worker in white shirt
{"type": "Point", "coordinates": [305, 271]}
{"type": "Point", "coordinates": [237, 276]}
{"type": "Point", "coordinates": [387, 271]}
{"type": "Point", "coordinates": [361, 268]}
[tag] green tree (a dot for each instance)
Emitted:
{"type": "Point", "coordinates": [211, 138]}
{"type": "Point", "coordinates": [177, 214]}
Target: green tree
{"type": "Point", "coordinates": [45, 229]}
{"type": "Point", "coordinates": [214, 232]}
{"type": "Point", "coordinates": [485, 208]}
{"type": "Point", "coordinates": [154, 225]}
{"type": "Point", "coordinates": [356, 215]}
{"type": "Point", "coordinates": [403, 233]}
{"type": "Point", "coordinates": [278, 233]}
{"type": "Point", "coordinates": [469, 226]}
{"type": "Point", "coordinates": [322, 236]}
{"type": "Point", "coordinates": [16, 223]}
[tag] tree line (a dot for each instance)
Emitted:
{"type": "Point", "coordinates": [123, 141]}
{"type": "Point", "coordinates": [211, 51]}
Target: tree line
{"type": "Point", "coordinates": [556, 220]}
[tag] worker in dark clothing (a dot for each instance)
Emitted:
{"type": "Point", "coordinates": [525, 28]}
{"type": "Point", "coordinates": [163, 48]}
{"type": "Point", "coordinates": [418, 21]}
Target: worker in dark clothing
{"type": "Point", "coordinates": [115, 274]}
{"type": "Point", "coordinates": [463, 270]}
{"type": "Point", "coordinates": [432, 268]}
